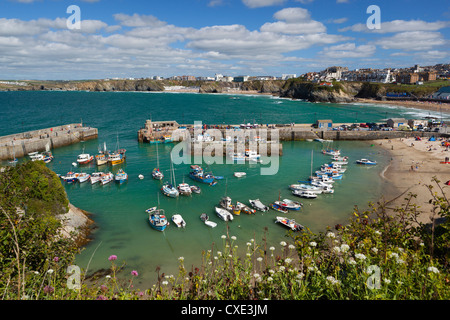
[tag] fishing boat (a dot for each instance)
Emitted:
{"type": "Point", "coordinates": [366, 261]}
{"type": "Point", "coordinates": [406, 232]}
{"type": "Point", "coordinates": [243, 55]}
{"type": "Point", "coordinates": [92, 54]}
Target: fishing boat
{"type": "Point", "coordinates": [121, 176]}
{"type": "Point", "coordinates": [225, 203]}
{"type": "Point", "coordinates": [96, 177]}
{"type": "Point", "coordinates": [224, 214]}
{"type": "Point", "coordinates": [304, 194]}
{"type": "Point", "coordinates": [106, 178]}
{"type": "Point", "coordinates": [322, 178]}
{"type": "Point", "coordinates": [199, 175]}
{"type": "Point", "coordinates": [101, 159]}
{"type": "Point", "coordinates": [258, 205]}
{"type": "Point", "coordinates": [163, 139]}
{"type": "Point", "coordinates": [342, 163]}
{"type": "Point", "coordinates": [83, 177]}
{"type": "Point", "coordinates": [116, 158]}
{"type": "Point", "coordinates": [366, 162]}
{"type": "Point", "coordinates": [251, 155]}
{"type": "Point", "coordinates": [84, 158]}
{"type": "Point", "coordinates": [240, 174]}
{"type": "Point", "coordinates": [244, 208]}
{"type": "Point", "coordinates": [158, 220]}
{"type": "Point", "coordinates": [339, 158]}
{"type": "Point", "coordinates": [70, 177]}
{"type": "Point", "coordinates": [157, 174]}
{"type": "Point", "coordinates": [152, 209]}
{"type": "Point", "coordinates": [326, 188]}
{"type": "Point", "coordinates": [196, 189]}
{"type": "Point", "coordinates": [290, 223]}
{"type": "Point", "coordinates": [237, 156]}
{"type": "Point", "coordinates": [205, 218]}
{"type": "Point", "coordinates": [331, 152]}
{"type": "Point", "coordinates": [278, 207]}
{"type": "Point", "coordinates": [179, 221]}
{"type": "Point", "coordinates": [184, 189]}
{"type": "Point", "coordinates": [290, 204]}
{"type": "Point", "coordinates": [35, 156]}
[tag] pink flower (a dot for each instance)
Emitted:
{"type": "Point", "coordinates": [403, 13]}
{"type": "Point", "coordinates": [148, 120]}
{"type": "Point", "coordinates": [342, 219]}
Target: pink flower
{"type": "Point", "coordinates": [56, 259]}
{"type": "Point", "coordinates": [112, 257]}
{"type": "Point", "coordinates": [134, 273]}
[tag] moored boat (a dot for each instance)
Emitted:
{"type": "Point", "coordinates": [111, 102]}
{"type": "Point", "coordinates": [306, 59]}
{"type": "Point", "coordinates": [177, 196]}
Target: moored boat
{"type": "Point", "coordinates": [291, 204]}
{"type": "Point", "coordinates": [157, 174]}
{"type": "Point", "coordinates": [240, 174]}
{"type": "Point", "coordinates": [83, 177]}
{"type": "Point", "coordinates": [199, 175]}
{"type": "Point", "coordinates": [179, 221]}
{"type": "Point", "coordinates": [158, 220]}
{"type": "Point", "coordinates": [96, 177]}
{"type": "Point", "coordinates": [106, 178]}
{"type": "Point", "coordinates": [169, 190]}
{"type": "Point", "coordinates": [196, 189]}
{"type": "Point", "coordinates": [205, 218]}
{"type": "Point", "coordinates": [70, 177]}
{"type": "Point", "coordinates": [244, 208]}
{"type": "Point", "coordinates": [225, 203]}
{"type": "Point", "coordinates": [224, 214]}
{"type": "Point", "coordinates": [290, 223]}
{"type": "Point", "coordinates": [184, 189]}
{"type": "Point", "coordinates": [278, 207]}
{"type": "Point", "coordinates": [366, 162]}
{"type": "Point", "coordinates": [258, 205]}
{"type": "Point", "coordinates": [121, 176]}
{"type": "Point", "coordinates": [304, 194]}
{"type": "Point", "coordinates": [101, 159]}
{"type": "Point", "coordinates": [84, 158]}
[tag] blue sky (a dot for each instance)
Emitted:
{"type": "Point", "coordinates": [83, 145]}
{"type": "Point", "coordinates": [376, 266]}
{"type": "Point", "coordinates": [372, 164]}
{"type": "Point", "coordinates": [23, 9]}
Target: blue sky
{"type": "Point", "coordinates": [139, 38]}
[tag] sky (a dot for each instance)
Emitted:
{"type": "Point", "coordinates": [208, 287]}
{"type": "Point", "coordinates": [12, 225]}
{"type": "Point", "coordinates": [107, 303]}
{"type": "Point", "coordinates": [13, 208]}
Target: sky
{"type": "Point", "coordinates": [39, 39]}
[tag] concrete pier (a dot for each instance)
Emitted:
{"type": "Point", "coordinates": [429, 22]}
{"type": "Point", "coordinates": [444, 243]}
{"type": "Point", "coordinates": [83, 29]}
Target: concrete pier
{"type": "Point", "coordinates": [21, 144]}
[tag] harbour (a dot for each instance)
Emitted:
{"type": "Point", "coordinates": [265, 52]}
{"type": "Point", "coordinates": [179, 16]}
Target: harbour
{"type": "Point", "coordinates": [119, 210]}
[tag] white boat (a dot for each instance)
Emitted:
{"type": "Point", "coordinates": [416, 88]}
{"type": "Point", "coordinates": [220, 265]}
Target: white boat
{"type": "Point", "coordinates": [290, 223]}
{"type": "Point", "coordinates": [326, 188]}
{"type": "Point", "coordinates": [331, 152]}
{"type": "Point", "coordinates": [84, 158]}
{"type": "Point", "coordinates": [121, 176]}
{"type": "Point", "coordinates": [83, 177]}
{"type": "Point", "coordinates": [106, 178]}
{"type": "Point", "coordinates": [179, 221]}
{"type": "Point", "coordinates": [184, 189]}
{"type": "Point", "coordinates": [205, 218]}
{"type": "Point", "coordinates": [291, 205]}
{"type": "Point", "coordinates": [252, 155]}
{"type": "Point", "coordinates": [244, 208]}
{"type": "Point", "coordinates": [305, 187]}
{"type": "Point", "coordinates": [96, 177]}
{"type": "Point", "coordinates": [35, 156]}
{"type": "Point", "coordinates": [169, 190]}
{"type": "Point", "coordinates": [224, 214]}
{"type": "Point", "coordinates": [323, 178]}
{"type": "Point", "coordinates": [339, 158]}
{"type": "Point", "coordinates": [240, 174]}
{"type": "Point", "coordinates": [342, 163]}
{"type": "Point", "coordinates": [304, 194]}
{"type": "Point", "coordinates": [258, 205]}
{"type": "Point", "coordinates": [366, 162]}
{"type": "Point", "coordinates": [195, 189]}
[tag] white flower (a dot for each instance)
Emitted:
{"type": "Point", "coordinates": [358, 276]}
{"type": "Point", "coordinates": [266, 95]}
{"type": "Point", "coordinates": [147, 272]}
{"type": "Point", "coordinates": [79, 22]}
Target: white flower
{"type": "Point", "coordinates": [271, 271]}
{"type": "Point", "coordinates": [337, 249]}
{"type": "Point", "coordinates": [108, 277]}
{"type": "Point", "coordinates": [252, 240]}
{"type": "Point", "coordinates": [291, 246]}
{"type": "Point", "coordinates": [256, 275]}
{"type": "Point", "coordinates": [260, 259]}
{"type": "Point", "coordinates": [332, 280]}
{"type": "Point", "coordinates": [345, 247]}
{"type": "Point", "coordinates": [50, 271]}
{"type": "Point", "coordinates": [351, 261]}
{"type": "Point", "coordinates": [270, 279]}
{"type": "Point", "coordinates": [374, 249]}
{"type": "Point", "coordinates": [422, 244]}
{"type": "Point", "coordinates": [360, 256]}
{"type": "Point", "coordinates": [219, 253]}
{"type": "Point", "coordinates": [248, 254]}
{"type": "Point", "coordinates": [272, 248]}
{"type": "Point", "coordinates": [283, 243]}
{"type": "Point", "coordinates": [223, 236]}
{"type": "Point", "coordinates": [249, 244]}
{"type": "Point", "coordinates": [378, 233]}
{"type": "Point", "coordinates": [331, 235]}
{"type": "Point", "coordinates": [36, 272]}
{"type": "Point", "coordinates": [288, 260]}
{"type": "Point", "coordinates": [181, 258]}
{"type": "Point", "coordinates": [233, 238]}
{"type": "Point", "coordinates": [300, 275]}
{"type": "Point", "coordinates": [313, 244]}
{"type": "Point", "coordinates": [165, 283]}
{"type": "Point", "coordinates": [281, 268]}
{"type": "Point", "coordinates": [433, 269]}
{"type": "Point", "coordinates": [387, 281]}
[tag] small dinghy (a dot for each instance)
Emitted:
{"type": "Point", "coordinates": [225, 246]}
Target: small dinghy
{"type": "Point", "coordinates": [178, 220]}
{"type": "Point", "coordinates": [205, 218]}
{"type": "Point", "coordinates": [258, 205]}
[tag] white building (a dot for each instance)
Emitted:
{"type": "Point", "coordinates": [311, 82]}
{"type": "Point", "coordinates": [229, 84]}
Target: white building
{"type": "Point", "coordinates": [288, 76]}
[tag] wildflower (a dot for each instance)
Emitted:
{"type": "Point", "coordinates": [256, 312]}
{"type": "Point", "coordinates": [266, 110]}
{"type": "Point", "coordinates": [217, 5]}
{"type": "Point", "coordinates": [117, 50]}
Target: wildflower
{"type": "Point", "coordinates": [256, 275]}
{"type": "Point", "coordinates": [233, 238]}
{"type": "Point", "coordinates": [219, 253]}
{"type": "Point", "coordinates": [108, 277]}
{"type": "Point", "coordinates": [102, 297]}
{"type": "Point", "coordinates": [271, 271]}
{"type": "Point", "coordinates": [345, 247]}
{"type": "Point", "coordinates": [337, 249]}
{"type": "Point", "coordinates": [331, 235]}
{"type": "Point", "coordinates": [272, 248]}
{"type": "Point", "coordinates": [283, 243]}
{"type": "Point", "coordinates": [270, 279]}
{"type": "Point", "coordinates": [260, 259]}
{"type": "Point", "coordinates": [248, 254]}
{"type": "Point", "coordinates": [300, 275]}
{"type": "Point", "coordinates": [36, 272]}
{"type": "Point", "coordinates": [252, 240]}
{"type": "Point", "coordinates": [378, 233]}
{"type": "Point", "coordinates": [112, 257]}
{"type": "Point", "coordinates": [134, 273]}
{"type": "Point", "coordinates": [374, 249]}
{"type": "Point", "coordinates": [332, 280]}
{"type": "Point", "coordinates": [165, 283]}
{"type": "Point", "coordinates": [291, 246]}
{"type": "Point", "coordinates": [422, 244]}
{"type": "Point", "coordinates": [360, 256]}
{"type": "Point", "coordinates": [281, 268]}
{"type": "Point", "coordinates": [387, 281]}
{"type": "Point", "coordinates": [351, 261]}
{"type": "Point", "coordinates": [433, 269]}
{"type": "Point", "coordinates": [223, 236]}
{"type": "Point", "coordinates": [50, 271]}
{"type": "Point", "coordinates": [249, 244]}
{"type": "Point", "coordinates": [288, 260]}
{"type": "Point", "coordinates": [55, 259]}
{"type": "Point", "coordinates": [181, 258]}
{"type": "Point", "coordinates": [49, 289]}
{"type": "Point", "coordinates": [313, 244]}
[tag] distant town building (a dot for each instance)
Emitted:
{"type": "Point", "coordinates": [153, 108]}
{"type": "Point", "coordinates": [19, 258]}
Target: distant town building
{"type": "Point", "coordinates": [396, 122]}
{"type": "Point", "coordinates": [288, 76]}
{"type": "Point", "coordinates": [407, 78]}
{"type": "Point", "coordinates": [240, 78]}
{"type": "Point", "coordinates": [442, 93]}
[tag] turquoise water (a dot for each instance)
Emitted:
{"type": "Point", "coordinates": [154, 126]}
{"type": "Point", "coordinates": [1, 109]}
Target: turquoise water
{"type": "Point", "coordinates": [119, 211]}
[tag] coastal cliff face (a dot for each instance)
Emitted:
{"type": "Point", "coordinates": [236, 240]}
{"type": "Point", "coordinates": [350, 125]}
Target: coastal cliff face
{"type": "Point", "coordinates": [293, 88]}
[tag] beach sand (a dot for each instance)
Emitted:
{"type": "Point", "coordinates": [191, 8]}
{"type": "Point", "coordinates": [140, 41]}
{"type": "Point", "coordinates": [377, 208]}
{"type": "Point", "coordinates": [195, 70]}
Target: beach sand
{"type": "Point", "coordinates": [412, 167]}
{"type": "Point", "coordinates": [425, 105]}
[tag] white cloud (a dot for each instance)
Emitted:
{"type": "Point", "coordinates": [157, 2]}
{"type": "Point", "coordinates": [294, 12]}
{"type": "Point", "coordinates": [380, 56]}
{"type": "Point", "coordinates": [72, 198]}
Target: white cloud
{"type": "Point", "coordinates": [349, 50]}
{"type": "Point", "coordinates": [293, 21]}
{"type": "Point", "coordinates": [412, 41]}
{"type": "Point", "coordinates": [400, 26]}
{"type": "Point", "coordinates": [262, 3]}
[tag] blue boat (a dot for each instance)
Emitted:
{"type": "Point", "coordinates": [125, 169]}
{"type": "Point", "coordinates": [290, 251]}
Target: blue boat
{"type": "Point", "coordinates": [199, 175]}
{"type": "Point", "coordinates": [70, 177]}
{"type": "Point", "coordinates": [157, 219]}
{"type": "Point", "coordinates": [121, 176]}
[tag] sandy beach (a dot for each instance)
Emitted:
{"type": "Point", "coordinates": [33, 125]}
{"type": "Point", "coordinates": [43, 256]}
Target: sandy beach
{"type": "Point", "coordinates": [412, 167]}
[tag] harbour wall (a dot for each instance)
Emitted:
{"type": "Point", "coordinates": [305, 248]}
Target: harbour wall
{"type": "Point", "coordinates": [21, 144]}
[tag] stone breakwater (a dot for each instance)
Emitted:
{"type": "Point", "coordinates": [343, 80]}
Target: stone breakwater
{"type": "Point", "coordinates": [21, 144]}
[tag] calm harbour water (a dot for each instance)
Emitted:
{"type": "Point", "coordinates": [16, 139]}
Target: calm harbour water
{"type": "Point", "coordinates": [119, 211]}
